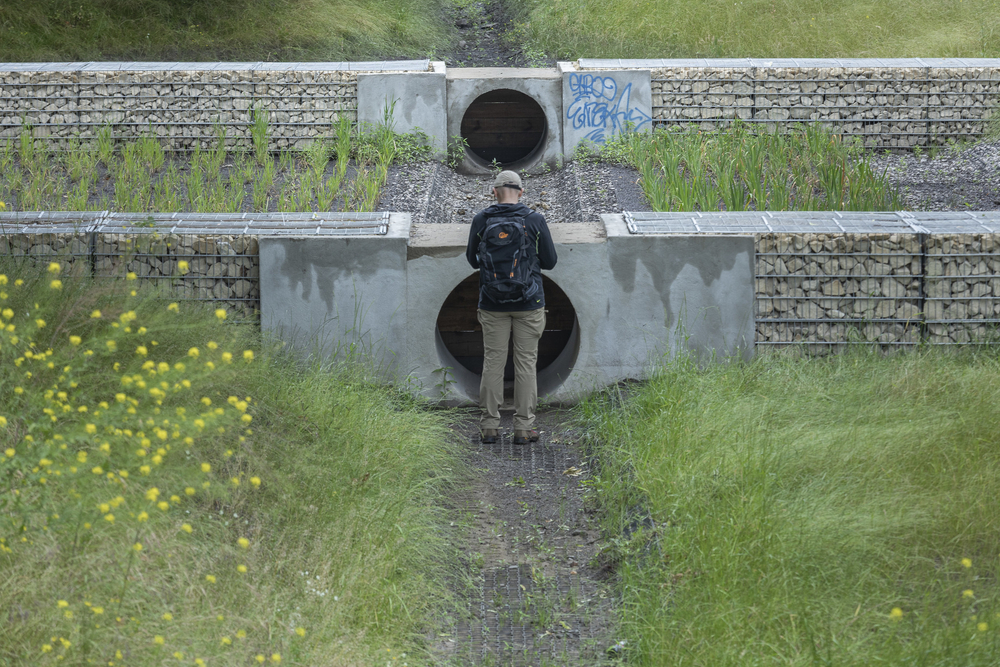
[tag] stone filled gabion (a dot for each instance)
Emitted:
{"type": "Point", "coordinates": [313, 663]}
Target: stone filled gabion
{"type": "Point", "coordinates": [183, 108]}
{"type": "Point", "coordinates": [221, 268]}
{"type": "Point", "coordinates": [894, 289]}
{"type": "Point", "coordinates": [838, 288]}
{"type": "Point", "coordinates": [963, 287]}
{"type": "Point", "coordinates": [888, 107]}
{"type": "Point", "coordinates": [70, 249]}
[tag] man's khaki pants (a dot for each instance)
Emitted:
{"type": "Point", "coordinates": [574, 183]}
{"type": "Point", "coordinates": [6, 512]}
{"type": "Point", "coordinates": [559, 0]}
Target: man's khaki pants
{"type": "Point", "coordinates": [528, 326]}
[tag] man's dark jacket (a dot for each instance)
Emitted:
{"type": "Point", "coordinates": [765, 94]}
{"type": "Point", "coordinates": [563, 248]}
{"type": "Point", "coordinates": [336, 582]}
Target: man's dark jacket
{"type": "Point", "coordinates": [541, 254]}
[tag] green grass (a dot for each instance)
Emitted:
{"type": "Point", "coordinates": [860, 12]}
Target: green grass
{"type": "Point", "coordinates": [141, 176]}
{"type": "Point", "coordinates": [572, 29]}
{"type": "Point", "coordinates": [334, 485]}
{"type": "Point", "coordinates": [249, 30]}
{"type": "Point", "coordinates": [798, 502]}
{"type": "Point", "coordinates": [740, 168]}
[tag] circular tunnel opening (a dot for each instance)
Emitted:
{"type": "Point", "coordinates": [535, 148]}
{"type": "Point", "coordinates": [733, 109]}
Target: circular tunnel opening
{"type": "Point", "coordinates": [460, 338]}
{"type": "Point", "coordinates": [504, 125]}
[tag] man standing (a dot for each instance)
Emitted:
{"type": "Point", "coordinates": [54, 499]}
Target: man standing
{"type": "Point", "coordinates": [510, 245]}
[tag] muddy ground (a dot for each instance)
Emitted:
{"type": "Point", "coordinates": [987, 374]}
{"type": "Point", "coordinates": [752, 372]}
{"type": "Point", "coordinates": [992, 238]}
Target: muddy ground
{"type": "Point", "coordinates": [534, 590]}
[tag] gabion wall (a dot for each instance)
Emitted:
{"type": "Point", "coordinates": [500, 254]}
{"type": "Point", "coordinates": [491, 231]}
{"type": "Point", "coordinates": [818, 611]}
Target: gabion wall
{"type": "Point", "coordinates": [896, 103]}
{"type": "Point", "coordinates": [892, 279]}
{"type": "Point", "coordinates": [184, 104]}
{"type": "Point", "coordinates": [221, 251]}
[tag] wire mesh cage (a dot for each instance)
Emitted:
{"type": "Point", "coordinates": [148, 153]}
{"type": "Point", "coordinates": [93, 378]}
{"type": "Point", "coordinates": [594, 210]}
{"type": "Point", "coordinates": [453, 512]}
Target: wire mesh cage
{"type": "Point", "coordinates": [826, 280]}
{"type": "Point", "coordinates": [196, 257]}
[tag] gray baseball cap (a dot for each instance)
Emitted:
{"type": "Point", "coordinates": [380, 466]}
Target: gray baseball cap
{"type": "Point", "coordinates": [508, 179]}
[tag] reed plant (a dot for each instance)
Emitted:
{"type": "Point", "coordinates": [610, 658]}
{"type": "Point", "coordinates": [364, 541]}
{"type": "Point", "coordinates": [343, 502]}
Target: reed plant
{"type": "Point", "coordinates": [175, 491]}
{"type": "Point", "coordinates": [836, 511]}
{"type": "Point", "coordinates": [741, 168]}
{"type": "Point", "coordinates": [141, 176]}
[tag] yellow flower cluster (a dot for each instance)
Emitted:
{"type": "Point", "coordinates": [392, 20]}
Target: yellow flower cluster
{"type": "Point", "coordinates": [94, 410]}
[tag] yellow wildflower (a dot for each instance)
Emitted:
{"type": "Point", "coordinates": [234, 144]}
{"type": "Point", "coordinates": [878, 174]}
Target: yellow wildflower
{"type": "Point", "coordinates": [248, 355]}
{"type": "Point", "coordinates": [131, 276]}
{"type": "Point", "coordinates": [193, 352]}
{"type": "Point", "coordinates": [983, 627]}
{"type": "Point", "coordinates": [54, 268]}
{"type": "Point", "coordinates": [40, 323]}
{"type": "Point", "coordinates": [142, 517]}
{"type": "Point", "coordinates": [182, 266]}
{"type": "Point", "coordinates": [186, 527]}
{"type": "Point", "coordinates": [255, 481]}
{"type": "Point", "coordinates": [95, 314]}
{"type": "Point", "coordinates": [168, 616]}
{"type": "Point", "coordinates": [243, 542]}
{"type": "Point", "coordinates": [206, 467]}
{"type": "Point", "coordinates": [158, 640]}
{"type": "Point", "coordinates": [152, 494]}
{"type": "Point", "coordinates": [210, 578]}
{"type": "Point", "coordinates": [55, 284]}
{"type": "Point", "coordinates": [967, 593]}
{"type": "Point", "coordinates": [62, 604]}
{"type": "Point", "coordinates": [10, 452]}
{"type": "Point", "coordinates": [174, 308]}
{"type": "Point", "coordinates": [275, 658]}
{"type": "Point", "coordinates": [896, 613]}
{"type": "Point", "coordinates": [242, 569]}
{"type": "Point", "coordinates": [163, 505]}
{"type": "Point", "coordinates": [75, 340]}
{"type": "Point", "coordinates": [966, 562]}
{"type": "Point", "coordinates": [141, 351]}
{"type": "Point", "coordinates": [301, 632]}
{"type": "Point", "coordinates": [189, 491]}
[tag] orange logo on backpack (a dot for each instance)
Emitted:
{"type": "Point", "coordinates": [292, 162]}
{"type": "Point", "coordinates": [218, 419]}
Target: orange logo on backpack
{"type": "Point", "coordinates": [503, 235]}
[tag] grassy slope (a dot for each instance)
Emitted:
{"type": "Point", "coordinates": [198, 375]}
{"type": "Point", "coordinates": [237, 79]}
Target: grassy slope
{"type": "Point", "coordinates": [343, 526]}
{"type": "Point", "coordinates": [800, 501]}
{"type": "Point", "coordinates": [61, 30]}
{"type": "Point", "coordinates": [764, 28]}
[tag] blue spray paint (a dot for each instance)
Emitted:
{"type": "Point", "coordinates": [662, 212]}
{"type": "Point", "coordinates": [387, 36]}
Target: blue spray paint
{"type": "Point", "coordinates": [599, 106]}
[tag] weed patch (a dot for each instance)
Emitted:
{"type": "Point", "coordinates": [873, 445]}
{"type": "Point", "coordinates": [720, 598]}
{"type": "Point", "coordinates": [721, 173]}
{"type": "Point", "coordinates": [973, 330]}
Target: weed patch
{"type": "Point", "coordinates": [835, 511]}
{"type": "Point", "coordinates": [172, 491]}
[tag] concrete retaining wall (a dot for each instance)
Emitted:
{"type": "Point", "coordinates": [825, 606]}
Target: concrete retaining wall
{"type": "Point", "coordinates": [888, 103]}
{"type": "Point", "coordinates": [184, 104]}
{"type": "Point", "coordinates": [642, 286]}
{"type": "Point", "coordinates": [896, 103]}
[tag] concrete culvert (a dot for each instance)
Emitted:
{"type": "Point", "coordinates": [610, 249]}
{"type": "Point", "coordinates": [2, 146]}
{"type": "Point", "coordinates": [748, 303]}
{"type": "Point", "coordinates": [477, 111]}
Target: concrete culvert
{"type": "Point", "coordinates": [461, 338]}
{"type": "Point", "coordinates": [506, 126]}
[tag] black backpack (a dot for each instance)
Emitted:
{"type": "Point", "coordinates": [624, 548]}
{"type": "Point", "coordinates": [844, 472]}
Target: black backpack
{"type": "Point", "coordinates": [505, 272]}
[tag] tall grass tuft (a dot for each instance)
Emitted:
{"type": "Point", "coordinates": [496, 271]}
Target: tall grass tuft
{"type": "Point", "coordinates": [140, 176]}
{"type": "Point", "coordinates": [232, 30]}
{"type": "Point", "coordinates": [806, 511]}
{"type": "Point", "coordinates": [739, 168]}
{"type": "Point", "coordinates": [174, 492]}
{"type": "Point", "coordinates": [570, 29]}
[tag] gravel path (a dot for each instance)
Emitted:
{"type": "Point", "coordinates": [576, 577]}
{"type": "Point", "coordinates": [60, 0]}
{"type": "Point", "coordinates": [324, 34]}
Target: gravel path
{"type": "Point", "coordinates": [534, 591]}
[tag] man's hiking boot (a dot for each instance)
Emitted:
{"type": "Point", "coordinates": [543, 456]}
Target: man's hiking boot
{"type": "Point", "coordinates": [488, 436]}
{"type": "Point", "coordinates": [524, 437]}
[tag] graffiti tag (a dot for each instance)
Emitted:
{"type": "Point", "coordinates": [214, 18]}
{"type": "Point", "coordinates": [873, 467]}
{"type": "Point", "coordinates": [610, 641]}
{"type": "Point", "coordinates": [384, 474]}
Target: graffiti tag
{"type": "Point", "coordinates": [599, 106]}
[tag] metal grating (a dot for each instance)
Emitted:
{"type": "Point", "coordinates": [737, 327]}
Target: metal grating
{"type": "Point", "coordinates": [812, 222]}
